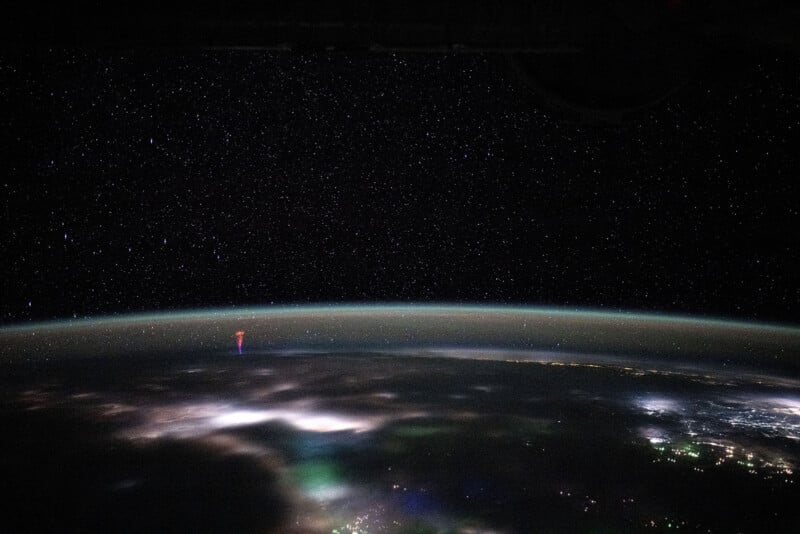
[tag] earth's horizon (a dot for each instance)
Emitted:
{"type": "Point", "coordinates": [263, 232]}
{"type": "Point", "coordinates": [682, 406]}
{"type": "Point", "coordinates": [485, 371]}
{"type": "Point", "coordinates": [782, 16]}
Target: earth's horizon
{"type": "Point", "coordinates": [401, 419]}
{"type": "Point", "coordinates": [326, 328]}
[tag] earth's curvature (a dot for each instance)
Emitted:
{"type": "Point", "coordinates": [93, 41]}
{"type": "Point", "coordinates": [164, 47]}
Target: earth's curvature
{"type": "Point", "coordinates": [401, 419]}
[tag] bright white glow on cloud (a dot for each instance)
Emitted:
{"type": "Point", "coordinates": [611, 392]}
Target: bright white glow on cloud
{"type": "Point", "coordinates": [199, 419]}
{"type": "Point", "coordinates": [658, 405]}
{"type": "Point", "coordinates": [308, 421]}
{"type": "Point", "coordinates": [785, 405]}
{"type": "Point", "coordinates": [654, 435]}
{"type": "Point", "coordinates": [329, 493]}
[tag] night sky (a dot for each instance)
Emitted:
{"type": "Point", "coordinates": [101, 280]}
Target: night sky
{"type": "Point", "coordinates": [160, 180]}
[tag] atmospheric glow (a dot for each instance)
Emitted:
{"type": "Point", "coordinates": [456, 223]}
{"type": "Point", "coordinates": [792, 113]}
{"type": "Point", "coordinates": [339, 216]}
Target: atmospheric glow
{"type": "Point", "coordinates": [488, 329]}
{"type": "Point", "coordinates": [531, 312]}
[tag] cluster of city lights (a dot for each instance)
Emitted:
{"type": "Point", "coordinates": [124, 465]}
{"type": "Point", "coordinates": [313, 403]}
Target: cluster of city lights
{"type": "Point", "coordinates": [710, 433]}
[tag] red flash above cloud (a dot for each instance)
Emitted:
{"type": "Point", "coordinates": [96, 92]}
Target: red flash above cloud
{"type": "Point", "coordinates": [239, 340]}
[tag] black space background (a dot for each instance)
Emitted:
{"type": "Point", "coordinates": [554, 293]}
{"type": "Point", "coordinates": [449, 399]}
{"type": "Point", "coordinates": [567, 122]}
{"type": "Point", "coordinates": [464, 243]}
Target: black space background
{"type": "Point", "coordinates": [136, 181]}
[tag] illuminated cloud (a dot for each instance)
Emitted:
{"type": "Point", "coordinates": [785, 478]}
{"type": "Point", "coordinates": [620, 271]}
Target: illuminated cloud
{"type": "Point", "coordinates": [655, 405]}
{"type": "Point", "coordinates": [192, 420]}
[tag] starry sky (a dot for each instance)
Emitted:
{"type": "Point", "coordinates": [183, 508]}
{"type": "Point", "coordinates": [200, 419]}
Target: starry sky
{"type": "Point", "coordinates": [154, 180]}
